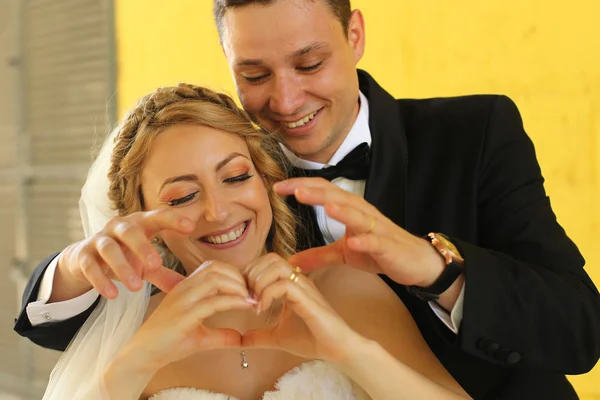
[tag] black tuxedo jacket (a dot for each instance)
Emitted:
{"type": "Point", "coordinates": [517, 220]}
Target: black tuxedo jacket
{"type": "Point", "coordinates": [465, 167]}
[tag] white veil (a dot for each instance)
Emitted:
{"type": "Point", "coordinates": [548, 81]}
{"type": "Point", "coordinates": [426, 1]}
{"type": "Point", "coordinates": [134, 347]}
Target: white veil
{"type": "Point", "coordinates": [79, 372]}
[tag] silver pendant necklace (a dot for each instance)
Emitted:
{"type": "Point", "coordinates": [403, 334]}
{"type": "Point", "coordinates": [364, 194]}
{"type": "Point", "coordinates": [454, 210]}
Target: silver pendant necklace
{"type": "Point", "coordinates": [242, 353]}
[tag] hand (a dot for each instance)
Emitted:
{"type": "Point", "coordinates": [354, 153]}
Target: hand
{"type": "Point", "coordinates": [175, 329]}
{"type": "Point", "coordinates": [123, 251]}
{"type": "Point", "coordinates": [307, 327]}
{"type": "Point", "coordinates": [371, 242]}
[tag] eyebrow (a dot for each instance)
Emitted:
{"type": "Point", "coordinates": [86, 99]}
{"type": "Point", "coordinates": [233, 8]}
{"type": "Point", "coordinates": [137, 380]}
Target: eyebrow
{"type": "Point", "coordinates": [298, 53]}
{"type": "Point", "coordinates": [226, 160]}
{"type": "Point", "coordinates": [181, 178]}
{"type": "Point", "coordinates": [194, 177]}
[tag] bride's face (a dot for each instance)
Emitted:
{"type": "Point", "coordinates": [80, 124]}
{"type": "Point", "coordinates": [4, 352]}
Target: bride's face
{"type": "Point", "coordinates": [208, 176]}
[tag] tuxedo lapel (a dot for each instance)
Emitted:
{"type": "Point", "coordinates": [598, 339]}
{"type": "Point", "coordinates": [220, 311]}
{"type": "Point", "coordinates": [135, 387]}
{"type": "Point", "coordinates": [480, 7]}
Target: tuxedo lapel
{"type": "Point", "coordinates": [387, 183]}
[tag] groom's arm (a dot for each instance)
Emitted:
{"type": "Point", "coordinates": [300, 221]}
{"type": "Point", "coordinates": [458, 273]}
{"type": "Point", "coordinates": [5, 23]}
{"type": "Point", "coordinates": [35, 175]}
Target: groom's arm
{"type": "Point", "coordinates": [51, 325]}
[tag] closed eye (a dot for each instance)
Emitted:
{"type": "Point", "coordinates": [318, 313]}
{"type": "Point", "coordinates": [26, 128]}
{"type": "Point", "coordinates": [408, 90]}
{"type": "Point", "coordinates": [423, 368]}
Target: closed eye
{"type": "Point", "coordinates": [311, 67]}
{"type": "Point", "coordinates": [239, 178]}
{"type": "Point", "coordinates": [182, 200]}
{"type": "Point", "coordinates": [255, 79]}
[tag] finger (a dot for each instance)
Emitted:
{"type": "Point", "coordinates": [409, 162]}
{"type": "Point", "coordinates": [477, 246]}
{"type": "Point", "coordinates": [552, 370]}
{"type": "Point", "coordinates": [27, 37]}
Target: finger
{"type": "Point", "coordinates": [374, 245]}
{"type": "Point", "coordinates": [355, 220]}
{"type": "Point", "coordinates": [262, 338]}
{"type": "Point", "coordinates": [307, 305]}
{"type": "Point", "coordinates": [135, 240]}
{"type": "Point", "coordinates": [219, 338]}
{"type": "Point", "coordinates": [319, 257]}
{"type": "Point", "coordinates": [260, 264]}
{"type": "Point", "coordinates": [215, 304]}
{"type": "Point", "coordinates": [212, 284]}
{"type": "Point", "coordinates": [112, 255]}
{"type": "Point", "coordinates": [163, 278]}
{"type": "Point", "coordinates": [319, 196]}
{"type": "Point", "coordinates": [94, 273]}
{"type": "Point", "coordinates": [277, 273]}
{"type": "Point", "coordinates": [221, 267]}
{"type": "Point", "coordinates": [288, 186]}
{"type": "Point", "coordinates": [155, 221]}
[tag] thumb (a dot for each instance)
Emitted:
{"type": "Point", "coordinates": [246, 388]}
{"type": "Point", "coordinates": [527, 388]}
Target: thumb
{"type": "Point", "coordinates": [263, 338]}
{"type": "Point", "coordinates": [163, 278]}
{"type": "Point", "coordinates": [319, 257]}
{"type": "Point", "coordinates": [220, 338]}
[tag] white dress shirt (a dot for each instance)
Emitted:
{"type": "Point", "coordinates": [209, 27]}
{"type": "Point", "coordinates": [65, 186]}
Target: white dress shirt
{"type": "Point", "coordinates": [39, 312]}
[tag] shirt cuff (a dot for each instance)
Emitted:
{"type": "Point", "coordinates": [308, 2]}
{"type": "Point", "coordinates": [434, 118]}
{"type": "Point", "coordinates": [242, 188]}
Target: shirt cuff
{"type": "Point", "coordinates": [39, 312]}
{"type": "Point", "coordinates": [453, 319]}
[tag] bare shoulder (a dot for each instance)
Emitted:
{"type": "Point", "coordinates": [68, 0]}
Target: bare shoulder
{"type": "Point", "coordinates": [371, 308]}
{"type": "Point", "coordinates": [363, 299]}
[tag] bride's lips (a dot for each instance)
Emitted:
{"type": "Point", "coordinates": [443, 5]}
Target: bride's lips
{"type": "Point", "coordinates": [236, 241]}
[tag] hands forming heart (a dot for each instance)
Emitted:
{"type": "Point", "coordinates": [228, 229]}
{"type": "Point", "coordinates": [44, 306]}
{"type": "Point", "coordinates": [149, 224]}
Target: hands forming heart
{"type": "Point", "coordinates": [307, 326]}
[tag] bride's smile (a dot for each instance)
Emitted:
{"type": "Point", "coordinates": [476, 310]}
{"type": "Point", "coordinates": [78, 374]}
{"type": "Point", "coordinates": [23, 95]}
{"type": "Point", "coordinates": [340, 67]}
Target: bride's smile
{"type": "Point", "coordinates": [212, 181]}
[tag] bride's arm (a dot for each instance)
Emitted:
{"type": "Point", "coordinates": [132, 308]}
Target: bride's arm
{"type": "Point", "coordinates": [174, 331]}
{"type": "Point", "coordinates": [126, 377]}
{"type": "Point", "coordinates": [383, 377]}
{"type": "Point", "coordinates": [389, 358]}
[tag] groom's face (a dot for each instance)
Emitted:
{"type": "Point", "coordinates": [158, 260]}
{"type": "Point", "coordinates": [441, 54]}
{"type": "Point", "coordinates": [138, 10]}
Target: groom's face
{"type": "Point", "coordinates": [295, 71]}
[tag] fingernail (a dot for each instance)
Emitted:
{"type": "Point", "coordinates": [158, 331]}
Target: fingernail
{"type": "Point", "coordinates": [186, 224]}
{"type": "Point", "coordinates": [250, 300]}
{"type": "Point", "coordinates": [258, 308]}
{"type": "Point", "coordinates": [135, 281]}
{"type": "Point", "coordinates": [154, 261]}
{"type": "Point", "coordinates": [200, 268]}
{"type": "Point", "coordinates": [110, 291]}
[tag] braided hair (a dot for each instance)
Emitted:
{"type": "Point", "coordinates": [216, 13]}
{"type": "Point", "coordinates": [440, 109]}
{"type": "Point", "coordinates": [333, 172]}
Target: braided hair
{"type": "Point", "coordinates": [189, 104]}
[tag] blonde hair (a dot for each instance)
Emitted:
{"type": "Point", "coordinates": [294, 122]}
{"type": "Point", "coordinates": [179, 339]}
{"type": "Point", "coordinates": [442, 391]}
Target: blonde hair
{"type": "Point", "coordinates": [189, 104]}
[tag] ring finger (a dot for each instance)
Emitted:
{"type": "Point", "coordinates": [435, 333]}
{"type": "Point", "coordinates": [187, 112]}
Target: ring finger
{"type": "Point", "coordinates": [280, 272]}
{"type": "Point", "coordinates": [356, 221]}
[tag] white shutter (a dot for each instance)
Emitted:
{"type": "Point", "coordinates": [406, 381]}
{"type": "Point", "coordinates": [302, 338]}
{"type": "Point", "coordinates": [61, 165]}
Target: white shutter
{"type": "Point", "coordinates": [65, 68]}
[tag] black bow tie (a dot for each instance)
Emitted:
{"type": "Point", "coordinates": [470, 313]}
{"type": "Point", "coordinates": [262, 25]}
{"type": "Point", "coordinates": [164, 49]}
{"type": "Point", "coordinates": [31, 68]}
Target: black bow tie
{"type": "Point", "coordinates": [355, 166]}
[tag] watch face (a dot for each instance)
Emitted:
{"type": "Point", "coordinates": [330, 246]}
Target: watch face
{"type": "Point", "coordinates": [448, 246]}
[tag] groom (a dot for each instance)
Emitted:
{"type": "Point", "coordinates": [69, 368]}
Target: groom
{"type": "Point", "coordinates": [461, 227]}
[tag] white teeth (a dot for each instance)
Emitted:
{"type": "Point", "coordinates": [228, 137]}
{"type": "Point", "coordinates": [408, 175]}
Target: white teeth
{"type": "Point", "coordinates": [226, 237]}
{"type": "Point", "coordinates": [301, 122]}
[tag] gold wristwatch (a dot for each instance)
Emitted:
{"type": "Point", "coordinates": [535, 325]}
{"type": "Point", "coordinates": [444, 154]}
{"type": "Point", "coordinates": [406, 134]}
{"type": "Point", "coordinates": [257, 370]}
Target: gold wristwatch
{"type": "Point", "coordinates": [454, 267]}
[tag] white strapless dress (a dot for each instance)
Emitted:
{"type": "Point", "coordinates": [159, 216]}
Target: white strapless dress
{"type": "Point", "coordinates": [315, 380]}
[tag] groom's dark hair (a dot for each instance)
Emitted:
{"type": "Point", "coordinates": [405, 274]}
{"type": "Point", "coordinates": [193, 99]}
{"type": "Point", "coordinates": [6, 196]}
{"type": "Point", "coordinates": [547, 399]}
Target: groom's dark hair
{"type": "Point", "coordinates": [340, 8]}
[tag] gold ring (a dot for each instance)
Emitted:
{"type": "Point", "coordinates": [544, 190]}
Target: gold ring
{"type": "Point", "coordinates": [296, 272]}
{"type": "Point", "coordinates": [372, 226]}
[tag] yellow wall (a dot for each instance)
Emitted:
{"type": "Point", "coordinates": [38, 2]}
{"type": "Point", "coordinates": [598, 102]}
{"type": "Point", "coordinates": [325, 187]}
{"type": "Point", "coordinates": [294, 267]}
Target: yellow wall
{"type": "Point", "coordinates": [542, 54]}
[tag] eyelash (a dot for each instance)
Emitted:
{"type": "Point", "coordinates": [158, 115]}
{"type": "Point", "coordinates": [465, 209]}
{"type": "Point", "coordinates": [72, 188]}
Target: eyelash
{"type": "Point", "coordinates": [303, 69]}
{"type": "Point", "coordinates": [239, 178]}
{"type": "Point", "coordinates": [191, 196]}
{"type": "Point", "coordinates": [182, 200]}
{"type": "Point", "coordinates": [311, 67]}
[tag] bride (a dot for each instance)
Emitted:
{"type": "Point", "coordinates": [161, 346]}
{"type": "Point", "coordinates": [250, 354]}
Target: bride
{"type": "Point", "coordinates": [232, 319]}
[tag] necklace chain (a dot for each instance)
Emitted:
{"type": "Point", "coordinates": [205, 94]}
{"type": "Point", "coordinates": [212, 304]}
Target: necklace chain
{"type": "Point", "coordinates": [242, 353]}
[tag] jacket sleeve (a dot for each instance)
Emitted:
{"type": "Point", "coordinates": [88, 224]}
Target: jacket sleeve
{"type": "Point", "coordinates": [53, 335]}
{"type": "Point", "coordinates": [528, 301]}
